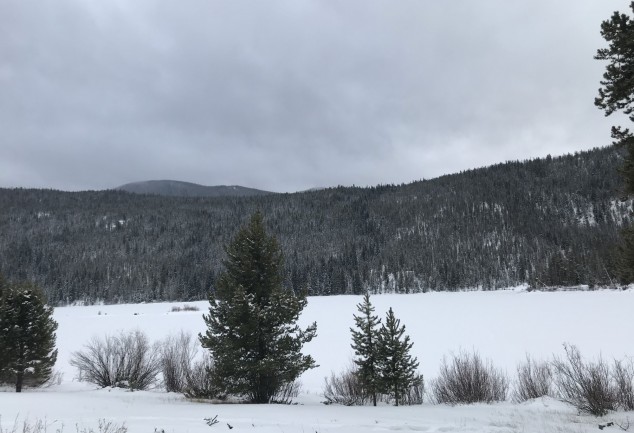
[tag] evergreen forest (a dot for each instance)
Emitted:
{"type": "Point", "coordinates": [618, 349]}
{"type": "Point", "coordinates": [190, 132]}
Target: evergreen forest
{"type": "Point", "coordinates": [548, 222]}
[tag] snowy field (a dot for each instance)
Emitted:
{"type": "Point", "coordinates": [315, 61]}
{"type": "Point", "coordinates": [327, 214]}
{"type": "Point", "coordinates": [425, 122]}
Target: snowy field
{"type": "Point", "coordinates": [502, 325]}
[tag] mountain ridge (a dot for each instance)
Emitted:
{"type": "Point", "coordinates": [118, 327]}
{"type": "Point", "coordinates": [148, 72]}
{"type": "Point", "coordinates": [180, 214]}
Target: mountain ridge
{"type": "Point", "coordinates": [177, 188]}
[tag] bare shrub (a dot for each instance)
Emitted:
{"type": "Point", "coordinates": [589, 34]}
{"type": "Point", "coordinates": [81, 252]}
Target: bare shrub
{"type": "Point", "coordinates": [585, 385]}
{"type": "Point", "coordinates": [345, 388]}
{"type": "Point", "coordinates": [181, 373]}
{"type": "Point", "coordinates": [287, 393]}
{"type": "Point", "coordinates": [468, 379]}
{"type": "Point", "coordinates": [185, 307]}
{"type": "Point", "coordinates": [42, 426]}
{"type": "Point", "coordinates": [127, 361]}
{"type": "Point", "coordinates": [623, 375]}
{"type": "Point", "coordinates": [105, 426]}
{"type": "Point", "coordinates": [199, 383]}
{"type": "Point", "coordinates": [534, 380]}
{"type": "Point", "coordinates": [177, 355]}
{"type": "Point", "coordinates": [37, 426]}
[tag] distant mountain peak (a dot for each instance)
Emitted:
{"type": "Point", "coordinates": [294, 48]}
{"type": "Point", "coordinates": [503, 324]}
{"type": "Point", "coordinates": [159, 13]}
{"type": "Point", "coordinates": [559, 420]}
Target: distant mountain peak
{"type": "Point", "coordinates": [177, 188]}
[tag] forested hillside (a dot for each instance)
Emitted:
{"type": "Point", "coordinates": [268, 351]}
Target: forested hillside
{"type": "Point", "coordinates": [551, 221]}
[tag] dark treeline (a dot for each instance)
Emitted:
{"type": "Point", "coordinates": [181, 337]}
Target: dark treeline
{"type": "Point", "coordinates": [548, 222]}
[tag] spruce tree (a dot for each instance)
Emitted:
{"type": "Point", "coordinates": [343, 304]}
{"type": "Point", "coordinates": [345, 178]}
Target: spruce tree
{"type": "Point", "coordinates": [3, 286]}
{"type": "Point", "coordinates": [4, 376]}
{"type": "Point", "coordinates": [364, 343]}
{"type": "Point", "coordinates": [616, 95]}
{"type": "Point", "coordinates": [251, 326]}
{"type": "Point", "coordinates": [396, 366]}
{"type": "Point", "coordinates": [27, 336]}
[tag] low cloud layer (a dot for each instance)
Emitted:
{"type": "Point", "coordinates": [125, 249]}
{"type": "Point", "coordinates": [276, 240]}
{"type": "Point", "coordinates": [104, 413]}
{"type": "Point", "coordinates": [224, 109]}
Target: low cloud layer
{"type": "Point", "coordinates": [289, 95]}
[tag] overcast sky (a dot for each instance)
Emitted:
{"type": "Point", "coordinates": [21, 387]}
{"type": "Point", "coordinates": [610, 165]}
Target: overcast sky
{"type": "Point", "coordinates": [289, 95]}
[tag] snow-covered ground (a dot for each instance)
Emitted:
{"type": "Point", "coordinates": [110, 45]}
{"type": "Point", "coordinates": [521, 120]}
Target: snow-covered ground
{"type": "Point", "coordinates": [502, 325]}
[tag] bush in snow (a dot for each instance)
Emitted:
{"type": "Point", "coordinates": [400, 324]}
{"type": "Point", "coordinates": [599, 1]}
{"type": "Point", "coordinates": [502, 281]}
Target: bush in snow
{"type": "Point", "coordinates": [345, 388]}
{"type": "Point", "coordinates": [42, 426]}
{"type": "Point", "coordinates": [182, 373]}
{"type": "Point", "coordinates": [127, 361]}
{"type": "Point", "coordinates": [585, 385]}
{"type": "Point", "coordinates": [186, 307]}
{"type": "Point", "coordinates": [468, 379]}
{"type": "Point", "coordinates": [534, 379]}
{"type": "Point", "coordinates": [287, 393]}
{"type": "Point", "coordinates": [623, 375]}
{"type": "Point", "coordinates": [104, 426]}
{"type": "Point", "coordinates": [177, 355]}
{"type": "Point", "coordinates": [199, 383]}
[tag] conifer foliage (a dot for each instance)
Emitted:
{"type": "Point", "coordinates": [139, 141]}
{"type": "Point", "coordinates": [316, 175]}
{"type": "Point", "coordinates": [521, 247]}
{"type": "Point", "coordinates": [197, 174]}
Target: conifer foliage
{"type": "Point", "coordinates": [364, 344]}
{"type": "Point", "coordinates": [251, 326]}
{"type": "Point", "coordinates": [396, 365]}
{"type": "Point", "coordinates": [616, 95]}
{"type": "Point", "coordinates": [27, 336]}
{"type": "Point", "coordinates": [3, 285]}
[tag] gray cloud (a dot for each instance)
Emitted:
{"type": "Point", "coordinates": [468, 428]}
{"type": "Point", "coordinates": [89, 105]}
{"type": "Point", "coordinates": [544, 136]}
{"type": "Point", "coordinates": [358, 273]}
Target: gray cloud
{"type": "Point", "coordinates": [287, 95]}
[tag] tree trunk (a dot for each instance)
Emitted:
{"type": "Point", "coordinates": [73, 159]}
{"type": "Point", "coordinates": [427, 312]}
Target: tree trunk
{"type": "Point", "coordinates": [18, 382]}
{"type": "Point", "coordinates": [374, 398]}
{"type": "Point", "coordinates": [396, 394]}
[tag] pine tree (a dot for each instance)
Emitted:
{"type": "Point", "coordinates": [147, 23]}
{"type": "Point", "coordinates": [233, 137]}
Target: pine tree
{"type": "Point", "coordinates": [4, 376]}
{"type": "Point", "coordinates": [251, 326]}
{"type": "Point", "coordinates": [396, 366]}
{"type": "Point", "coordinates": [27, 336]}
{"type": "Point", "coordinates": [3, 286]}
{"type": "Point", "coordinates": [617, 95]}
{"type": "Point", "coordinates": [364, 343]}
